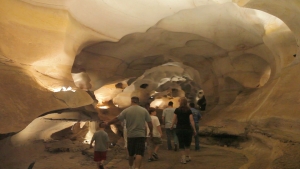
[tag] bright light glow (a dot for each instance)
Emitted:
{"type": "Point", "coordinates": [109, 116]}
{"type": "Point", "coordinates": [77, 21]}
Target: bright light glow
{"type": "Point", "coordinates": [157, 102]}
{"type": "Point", "coordinates": [82, 124]}
{"type": "Point", "coordinates": [62, 89]}
{"type": "Point", "coordinates": [90, 133]}
{"type": "Point", "coordinates": [114, 128]}
{"type": "Point", "coordinates": [56, 90]}
{"type": "Point", "coordinates": [88, 137]}
{"type": "Point", "coordinates": [103, 107]}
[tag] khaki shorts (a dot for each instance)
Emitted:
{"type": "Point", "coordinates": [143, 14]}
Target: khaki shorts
{"type": "Point", "coordinates": [154, 141]}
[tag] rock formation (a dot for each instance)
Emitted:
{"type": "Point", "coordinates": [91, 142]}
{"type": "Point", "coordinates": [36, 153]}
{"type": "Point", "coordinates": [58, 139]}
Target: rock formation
{"type": "Point", "coordinates": [65, 59]}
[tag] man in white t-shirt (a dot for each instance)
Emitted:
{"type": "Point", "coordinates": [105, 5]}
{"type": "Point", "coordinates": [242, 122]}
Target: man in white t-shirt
{"type": "Point", "coordinates": [167, 117]}
{"type": "Point", "coordinates": [155, 141]}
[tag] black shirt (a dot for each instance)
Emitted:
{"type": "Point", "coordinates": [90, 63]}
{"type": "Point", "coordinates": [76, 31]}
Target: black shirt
{"type": "Point", "coordinates": [183, 118]}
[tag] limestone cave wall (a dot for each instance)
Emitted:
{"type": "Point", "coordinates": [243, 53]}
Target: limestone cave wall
{"type": "Point", "coordinates": [244, 55]}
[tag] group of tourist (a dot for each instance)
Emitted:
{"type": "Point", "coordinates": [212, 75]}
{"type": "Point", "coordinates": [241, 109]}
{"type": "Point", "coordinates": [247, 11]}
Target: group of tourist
{"type": "Point", "coordinates": [180, 124]}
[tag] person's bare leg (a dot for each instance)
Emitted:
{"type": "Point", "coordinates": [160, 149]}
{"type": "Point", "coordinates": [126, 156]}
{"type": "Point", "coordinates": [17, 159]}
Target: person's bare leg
{"type": "Point", "coordinates": [101, 165]}
{"type": "Point", "coordinates": [98, 163]}
{"type": "Point", "coordinates": [150, 151]}
{"type": "Point", "coordinates": [138, 161]}
{"type": "Point", "coordinates": [130, 160]}
{"type": "Point", "coordinates": [156, 148]}
{"type": "Point", "coordinates": [187, 151]}
{"type": "Point", "coordinates": [127, 154]}
{"type": "Point", "coordinates": [182, 152]}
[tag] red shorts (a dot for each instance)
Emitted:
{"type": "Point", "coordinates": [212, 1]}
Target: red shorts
{"type": "Point", "coordinates": [99, 155]}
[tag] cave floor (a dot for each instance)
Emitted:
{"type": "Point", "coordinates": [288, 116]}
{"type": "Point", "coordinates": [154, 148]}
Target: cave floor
{"type": "Point", "coordinates": [209, 157]}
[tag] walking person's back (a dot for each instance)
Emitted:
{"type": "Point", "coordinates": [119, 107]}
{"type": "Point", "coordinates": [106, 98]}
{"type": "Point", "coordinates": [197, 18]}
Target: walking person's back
{"type": "Point", "coordinates": [197, 116]}
{"type": "Point", "coordinates": [101, 145]}
{"type": "Point", "coordinates": [185, 129]}
{"type": "Point", "coordinates": [167, 117]}
{"type": "Point", "coordinates": [135, 117]}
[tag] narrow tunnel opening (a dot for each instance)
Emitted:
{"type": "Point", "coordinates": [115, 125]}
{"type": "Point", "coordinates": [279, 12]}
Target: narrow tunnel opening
{"type": "Point", "coordinates": [223, 140]}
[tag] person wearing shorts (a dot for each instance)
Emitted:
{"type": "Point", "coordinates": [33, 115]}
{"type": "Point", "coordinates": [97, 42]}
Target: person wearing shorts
{"type": "Point", "coordinates": [155, 141]}
{"type": "Point", "coordinates": [135, 117]}
{"type": "Point", "coordinates": [101, 145]}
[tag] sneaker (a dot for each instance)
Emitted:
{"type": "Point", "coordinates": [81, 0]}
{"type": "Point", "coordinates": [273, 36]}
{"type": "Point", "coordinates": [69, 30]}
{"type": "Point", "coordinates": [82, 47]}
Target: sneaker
{"type": "Point", "coordinates": [155, 156]}
{"type": "Point", "coordinates": [150, 159]}
{"type": "Point", "coordinates": [183, 161]}
{"type": "Point", "coordinates": [188, 158]}
{"type": "Point", "coordinates": [175, 149]}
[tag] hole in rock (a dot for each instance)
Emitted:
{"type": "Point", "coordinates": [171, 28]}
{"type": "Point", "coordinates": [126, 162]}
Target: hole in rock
{"type": "Point", "coordinates": [144, 86]}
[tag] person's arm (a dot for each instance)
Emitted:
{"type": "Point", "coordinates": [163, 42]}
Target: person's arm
{"type": "Point", "coordinates": [163, 121]}
{"type": "Point", "coordinates": [192, 123]}
{"type": "Point", "coordinates": [150, 128]}
{"type": "Point", "coordinates": [159, 130]}
{"type": "Point", "coordinates": [163, 117]}
{"type": "Point", "coordinates": [174, 121]}
{"type": "Point", "coordinates": [107, 145]}
{"type": "Point", "coordinates": [199, 116]}
{"type": "Point", "coordinates": [108, 141]}
{"type": "Point", "coordinates": [157, 125]}
{"type": "Point", "coordinates": [92, 141]}
{"type": "Point", "coordinates": [112, 121]}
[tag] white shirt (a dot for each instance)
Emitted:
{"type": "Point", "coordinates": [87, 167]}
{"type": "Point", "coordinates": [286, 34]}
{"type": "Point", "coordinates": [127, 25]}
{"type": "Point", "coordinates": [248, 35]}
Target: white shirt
{"type": "Point", "coordinates": [155, 123]}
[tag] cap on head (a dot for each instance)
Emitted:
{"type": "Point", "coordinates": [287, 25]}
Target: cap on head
{"type": "Point", "coordinates": [134, 99]}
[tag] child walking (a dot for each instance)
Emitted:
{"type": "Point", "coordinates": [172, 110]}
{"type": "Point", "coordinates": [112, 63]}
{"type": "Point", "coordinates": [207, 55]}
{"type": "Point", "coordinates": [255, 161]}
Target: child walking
{"type": "Point", "coordinates": [101, 145]}
{"type": "Point", "coordinates": [155, 141]}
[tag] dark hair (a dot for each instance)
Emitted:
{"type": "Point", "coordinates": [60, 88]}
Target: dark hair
{"type": "Point", "coordinates": [151, 109]}
{"type": "Point", "coordinates": [100, 124]}
{"type": "Point", "coordinates": [134, 99]}
{"type": "Point", "coordinates": [170, 103]}
{"type": "Point", "coordinates": [192, 105]}
{"type": "Point", "coordinates": [183, 104]}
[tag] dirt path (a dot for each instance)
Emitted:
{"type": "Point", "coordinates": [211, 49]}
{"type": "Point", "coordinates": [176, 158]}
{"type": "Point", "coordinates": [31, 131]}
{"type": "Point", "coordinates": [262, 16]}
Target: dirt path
{"type": "Point", "coordinates": [209, 157]}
